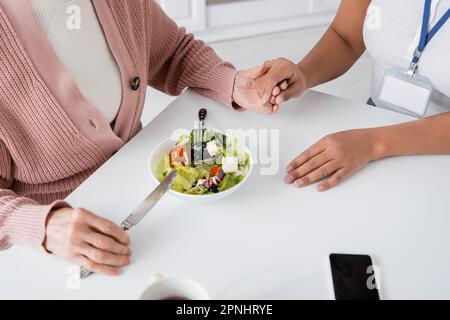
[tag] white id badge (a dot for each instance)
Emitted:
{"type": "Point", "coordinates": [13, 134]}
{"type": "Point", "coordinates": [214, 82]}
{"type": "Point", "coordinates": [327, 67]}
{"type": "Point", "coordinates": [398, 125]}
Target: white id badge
{"type": "Point", "coordinates": [410, 93]}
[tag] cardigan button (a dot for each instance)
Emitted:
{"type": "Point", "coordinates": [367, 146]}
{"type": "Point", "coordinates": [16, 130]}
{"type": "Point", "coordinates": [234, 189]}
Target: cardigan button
{"type": "Point", "coordinates": [136, 83]}
{"type": "Point", "coordinates": [92, 124]}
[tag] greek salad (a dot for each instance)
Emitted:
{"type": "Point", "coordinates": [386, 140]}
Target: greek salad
{"type": "Point", "coordinates": [207, 162]}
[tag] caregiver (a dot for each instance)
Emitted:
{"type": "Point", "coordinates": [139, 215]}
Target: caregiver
{"type": "Point", "coordinates": [73, 77]}
{"type": "Point", "coordinates": [409, 41]}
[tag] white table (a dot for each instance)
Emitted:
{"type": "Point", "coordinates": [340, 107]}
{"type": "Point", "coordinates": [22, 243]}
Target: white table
{"type": "Point", "coordinates": [269, 240]}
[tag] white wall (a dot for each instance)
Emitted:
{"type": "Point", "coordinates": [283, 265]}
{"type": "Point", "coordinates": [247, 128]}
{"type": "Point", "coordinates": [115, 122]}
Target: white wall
{"type": "Point", "coordinates": [217, 20]}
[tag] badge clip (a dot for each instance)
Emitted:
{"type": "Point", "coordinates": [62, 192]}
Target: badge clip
{"type": "Point", "coordinates": [415, 63]}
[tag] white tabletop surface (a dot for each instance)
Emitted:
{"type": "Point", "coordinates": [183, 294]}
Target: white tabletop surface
{"type": "Point", "coordinates": [268, 240]}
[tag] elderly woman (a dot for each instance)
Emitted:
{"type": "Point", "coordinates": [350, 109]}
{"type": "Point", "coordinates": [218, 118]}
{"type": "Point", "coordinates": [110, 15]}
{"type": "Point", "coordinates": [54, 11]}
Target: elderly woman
{"type": "Point", "coordinates": [409, 43]}
{"type": "Point", "coordinates": [73, 77]}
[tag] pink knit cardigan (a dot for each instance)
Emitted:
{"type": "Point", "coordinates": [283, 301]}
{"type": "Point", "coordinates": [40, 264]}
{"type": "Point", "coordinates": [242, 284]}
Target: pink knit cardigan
{"type": "Point", "coordinates": [51, 137]}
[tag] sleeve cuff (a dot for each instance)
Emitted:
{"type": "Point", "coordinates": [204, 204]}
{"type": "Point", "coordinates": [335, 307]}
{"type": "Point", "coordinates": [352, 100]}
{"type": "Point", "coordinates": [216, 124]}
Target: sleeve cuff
{"type": "Point", "coordinates": [27, 224]}
{"type": "Point", "coordinates": [222, 82]}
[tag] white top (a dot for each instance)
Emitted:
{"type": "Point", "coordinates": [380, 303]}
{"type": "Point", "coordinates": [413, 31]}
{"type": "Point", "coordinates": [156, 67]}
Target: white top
{"type": "Point", "coordinates": [78, 39]}
{"type": "Point", "coordinates": [392, 33]}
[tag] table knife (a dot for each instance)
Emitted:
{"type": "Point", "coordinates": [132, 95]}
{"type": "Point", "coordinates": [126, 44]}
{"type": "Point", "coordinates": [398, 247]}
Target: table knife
{"type": "Point", "coordinates": [141, 211]}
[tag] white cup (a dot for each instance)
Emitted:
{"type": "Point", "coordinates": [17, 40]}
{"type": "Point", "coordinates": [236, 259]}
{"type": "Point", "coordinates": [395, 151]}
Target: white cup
{"type": "Point", "coordinates": [174, 289]}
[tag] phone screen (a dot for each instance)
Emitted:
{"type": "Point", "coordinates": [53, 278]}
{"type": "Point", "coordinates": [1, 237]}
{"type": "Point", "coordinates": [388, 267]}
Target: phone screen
{"type": "Point", "coordinates": [353, 277]}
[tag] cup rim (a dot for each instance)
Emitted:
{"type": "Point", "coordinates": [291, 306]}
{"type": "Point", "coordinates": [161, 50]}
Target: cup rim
{"type": "Point", "coordinates": [193, 286]}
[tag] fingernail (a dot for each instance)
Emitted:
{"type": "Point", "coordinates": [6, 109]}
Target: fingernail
{"type": "Point", "coordinates": [321, 188]}
{"type": "Point", "coordinates": [289, 179]}
{"type": "Point", "coordinates": [300, 183]}
{"type": "Point", "coordinates": [289, 169]}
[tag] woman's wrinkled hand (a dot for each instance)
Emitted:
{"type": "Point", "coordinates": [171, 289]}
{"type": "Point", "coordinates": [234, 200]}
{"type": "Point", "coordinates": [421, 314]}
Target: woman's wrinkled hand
{"type": "Point", "coordinates": [89, 240]}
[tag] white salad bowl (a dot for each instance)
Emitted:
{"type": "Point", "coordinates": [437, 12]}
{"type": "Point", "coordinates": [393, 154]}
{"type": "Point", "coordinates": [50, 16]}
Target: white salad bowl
{"type": "Point", "coordinates": [169, 144]}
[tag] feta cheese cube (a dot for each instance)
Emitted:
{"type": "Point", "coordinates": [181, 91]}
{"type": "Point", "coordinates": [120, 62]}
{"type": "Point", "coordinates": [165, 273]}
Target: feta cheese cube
{"type": "Point", "coordinates": [212, 148]}
{"type": "Point", "coordinates": [230, 164]}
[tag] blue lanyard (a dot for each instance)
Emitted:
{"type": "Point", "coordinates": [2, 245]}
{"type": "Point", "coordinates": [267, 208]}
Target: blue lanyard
{"type": "Point", "coordinates": [426, 36]}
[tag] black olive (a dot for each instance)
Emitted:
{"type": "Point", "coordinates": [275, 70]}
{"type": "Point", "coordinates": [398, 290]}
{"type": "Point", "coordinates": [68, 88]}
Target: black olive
{"type": "Point", "coordinates": [202, 114]}
{"type": "Point", "coordinates": [214, 189]}
{"type": "Point", "coordinates": [194, 184]}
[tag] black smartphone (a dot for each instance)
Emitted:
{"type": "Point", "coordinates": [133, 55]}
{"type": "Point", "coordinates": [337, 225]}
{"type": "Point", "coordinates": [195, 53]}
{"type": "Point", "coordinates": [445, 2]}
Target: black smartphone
{"type": "Point", "coordinates": [353, 277]}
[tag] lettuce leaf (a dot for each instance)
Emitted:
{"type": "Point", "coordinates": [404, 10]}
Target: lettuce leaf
{"type": "Point", "coordinates": [187, 176]}
{"type": "Point", "coordinates": [182, 184]}
{"type": "Point", "coordinates": [198, 191]}
{"type": "Point", "coordinates": [230, 181]}
{"type": "Point", "coordinates": [163, 168]}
